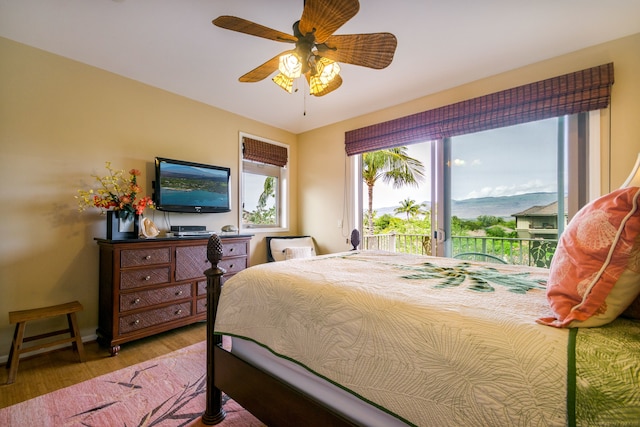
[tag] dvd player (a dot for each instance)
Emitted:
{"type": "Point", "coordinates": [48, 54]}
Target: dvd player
{"type": "Point", "coordinates": [184, 228]}
{"type": "Point", "coordinates": [194, 233]}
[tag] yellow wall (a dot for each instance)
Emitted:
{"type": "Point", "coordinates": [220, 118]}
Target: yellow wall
{"type": "Point", "coordinates": [321, 205]}
{"type": "Point", "coordinates": [60, 120]}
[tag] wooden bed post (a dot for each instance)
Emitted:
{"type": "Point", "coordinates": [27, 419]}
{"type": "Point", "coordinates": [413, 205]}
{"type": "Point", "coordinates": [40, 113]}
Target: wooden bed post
{"type": "Point", "coordinates": [214, 412]}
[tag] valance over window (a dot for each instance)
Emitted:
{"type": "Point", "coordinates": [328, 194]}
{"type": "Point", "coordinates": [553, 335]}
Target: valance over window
{"type": "Point", "coordinates": [572, 93]}
{"type": "Point", "coordinates": [260, 151]}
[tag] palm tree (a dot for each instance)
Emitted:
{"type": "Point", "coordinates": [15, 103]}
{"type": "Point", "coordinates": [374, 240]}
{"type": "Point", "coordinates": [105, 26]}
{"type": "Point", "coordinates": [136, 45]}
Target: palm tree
{"type": "Point", "coordinates": [264, 214]}
{"type": "Point", "coordinates": [409, 207]}
{"type": "Point", "coordinates": [393, 166]}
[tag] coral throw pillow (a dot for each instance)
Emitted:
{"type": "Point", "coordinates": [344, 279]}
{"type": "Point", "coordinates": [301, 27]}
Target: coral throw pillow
{"type": "Point", "coordinates": [595, 272]}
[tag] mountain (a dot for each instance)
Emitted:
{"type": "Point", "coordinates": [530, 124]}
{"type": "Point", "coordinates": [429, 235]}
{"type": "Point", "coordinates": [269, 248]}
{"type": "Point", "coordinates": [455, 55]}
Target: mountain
{"type": "Point", "coordinates": [502, 207]}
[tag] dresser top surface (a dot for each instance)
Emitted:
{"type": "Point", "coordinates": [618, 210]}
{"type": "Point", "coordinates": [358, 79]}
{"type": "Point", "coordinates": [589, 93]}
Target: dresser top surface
{"type": "Point", "coordinates": [172, 239]}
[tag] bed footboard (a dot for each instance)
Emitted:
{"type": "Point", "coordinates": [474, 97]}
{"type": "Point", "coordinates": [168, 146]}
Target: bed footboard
{"type": "Point", "coordinates": [269, 399]}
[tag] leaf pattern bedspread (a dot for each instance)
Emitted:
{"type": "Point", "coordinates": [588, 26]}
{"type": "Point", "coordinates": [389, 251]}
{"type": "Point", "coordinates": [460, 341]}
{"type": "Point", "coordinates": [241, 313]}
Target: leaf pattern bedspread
{"type": "Point", "coordinates": [607, 375]}
{"type": "Point", "coordinates": [432, 341]}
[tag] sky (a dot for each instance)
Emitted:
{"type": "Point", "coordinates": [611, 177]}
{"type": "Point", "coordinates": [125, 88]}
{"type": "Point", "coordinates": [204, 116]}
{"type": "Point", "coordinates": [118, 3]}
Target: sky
{"type": "Point", "coordinates": [502, 162]}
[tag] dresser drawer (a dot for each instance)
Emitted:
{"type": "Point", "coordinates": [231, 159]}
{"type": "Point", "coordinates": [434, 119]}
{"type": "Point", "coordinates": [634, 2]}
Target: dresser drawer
{"type": "Point", "coordinates": [234, 249]}
{"type": "Point", "coordinates": [145, 256]}
{"type": "Point", "coordinates": [201, 306]}
{"type": "Point", "coordinates": [202, 287]}
{"type": "Point", "coordinates": [144, 277]}
{"type": "Point", "coordinates": [141, 299]}
{"type": "Point", "coordinates": [191, 262]}
{"type": "Point", "coordinates": [233, 265]}
{"type": "Point", "coordinates": [133, 322]}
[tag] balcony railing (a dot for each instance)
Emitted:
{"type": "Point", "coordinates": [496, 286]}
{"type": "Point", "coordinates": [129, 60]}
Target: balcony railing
{"type": "Point", "coordinates": [533, 252]}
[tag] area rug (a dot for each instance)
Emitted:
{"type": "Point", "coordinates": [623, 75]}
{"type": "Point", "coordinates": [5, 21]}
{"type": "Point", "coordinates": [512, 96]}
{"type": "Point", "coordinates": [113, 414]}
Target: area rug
{"type": "Point", "coordinates": [166, 391]}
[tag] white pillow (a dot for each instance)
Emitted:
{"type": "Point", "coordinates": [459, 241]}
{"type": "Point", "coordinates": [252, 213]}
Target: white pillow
{"type": "Point", "coordinates": [279, 246]}
{"type": "Point", "coordinates": [300, 252]}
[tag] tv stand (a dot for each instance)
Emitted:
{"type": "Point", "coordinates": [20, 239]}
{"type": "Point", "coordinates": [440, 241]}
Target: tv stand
{"type": "Point", "coordinates": [148, 286]}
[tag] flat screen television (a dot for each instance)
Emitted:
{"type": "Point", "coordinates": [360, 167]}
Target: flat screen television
{"type": "Point", "coordinates": [182, 186]}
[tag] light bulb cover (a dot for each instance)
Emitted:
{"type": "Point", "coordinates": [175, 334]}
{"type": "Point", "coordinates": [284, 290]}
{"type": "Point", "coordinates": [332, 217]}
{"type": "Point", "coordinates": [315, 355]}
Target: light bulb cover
{"type": "Point", "coordinates": [289, 64]}
{"type": "Point", "coordinates": [326, 71]}
{"type": "Point", "coordinates": [284, 82]}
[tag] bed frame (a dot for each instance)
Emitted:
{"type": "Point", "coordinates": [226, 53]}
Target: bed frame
{"type": "Point", "coordinates": [269, 399]}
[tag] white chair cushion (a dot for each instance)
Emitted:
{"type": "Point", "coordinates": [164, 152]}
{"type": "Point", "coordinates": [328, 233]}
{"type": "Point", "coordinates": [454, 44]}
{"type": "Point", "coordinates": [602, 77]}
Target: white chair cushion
{"type": "Point", "coordinates": [279, 246]}
{"type": "Point", "coordinates": [299, 252]}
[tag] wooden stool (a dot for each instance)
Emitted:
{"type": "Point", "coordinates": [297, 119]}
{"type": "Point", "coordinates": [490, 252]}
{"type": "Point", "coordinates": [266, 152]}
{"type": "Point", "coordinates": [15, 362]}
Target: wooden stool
{"type": "Point", "coordinates": [22, 317]}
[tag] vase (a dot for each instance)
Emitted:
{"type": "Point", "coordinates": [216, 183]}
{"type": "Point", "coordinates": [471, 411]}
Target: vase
{"type": "Point", "coordinates": [120, 226]}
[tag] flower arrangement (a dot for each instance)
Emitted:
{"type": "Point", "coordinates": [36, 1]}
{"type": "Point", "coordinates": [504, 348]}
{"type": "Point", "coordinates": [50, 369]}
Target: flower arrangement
{"type": "Point", "coordinates": [117, 193]}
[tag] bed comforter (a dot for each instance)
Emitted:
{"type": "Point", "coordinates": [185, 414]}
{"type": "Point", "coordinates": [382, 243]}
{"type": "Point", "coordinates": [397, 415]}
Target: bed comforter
{"type": "Point", "coordinates": [437, 341]}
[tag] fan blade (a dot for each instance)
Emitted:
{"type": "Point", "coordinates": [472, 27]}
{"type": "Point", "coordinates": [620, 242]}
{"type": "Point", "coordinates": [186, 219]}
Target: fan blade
{"type": "Point", "coordinates": [333, 85]}
{"type": "Point", "coordinates": [263, 71]}
{"type": "Point", "coordinates": [240, 25]}
{"type": "Point", "coordinates": [326, 16]}
{"type": "Point", "coordinates": [368, 50]}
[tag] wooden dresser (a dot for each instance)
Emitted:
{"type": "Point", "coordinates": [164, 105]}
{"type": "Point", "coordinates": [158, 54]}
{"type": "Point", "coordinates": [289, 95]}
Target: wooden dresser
{"type": "Point", "coordinates": [149, 286]}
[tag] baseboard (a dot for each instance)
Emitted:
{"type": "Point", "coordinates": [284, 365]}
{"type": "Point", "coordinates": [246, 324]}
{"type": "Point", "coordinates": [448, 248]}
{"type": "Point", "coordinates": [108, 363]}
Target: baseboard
{"type": "Point", "coordinates": [88, 338]}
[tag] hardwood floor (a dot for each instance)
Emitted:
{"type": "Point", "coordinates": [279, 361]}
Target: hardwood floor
{"type": "Point", "coordinates": [44, 373]}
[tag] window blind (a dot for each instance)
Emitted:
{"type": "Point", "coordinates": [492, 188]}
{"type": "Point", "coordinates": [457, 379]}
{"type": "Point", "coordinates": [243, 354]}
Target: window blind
{"type": "Point", "coordinates": [572, 93]}
{"type": "Point", "coordinates": [264, 152]}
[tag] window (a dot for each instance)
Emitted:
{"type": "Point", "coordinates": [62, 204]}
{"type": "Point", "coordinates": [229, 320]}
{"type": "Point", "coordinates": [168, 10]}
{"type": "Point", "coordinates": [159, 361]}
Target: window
{"type": "Point", "coordinates": [566, 101]}
{"type": "Point", "coordinates": [531, 164]}
{"type": "Point", "coordinates": [263, 184]}
{"type": "Point", "coordinates": [478, 184]}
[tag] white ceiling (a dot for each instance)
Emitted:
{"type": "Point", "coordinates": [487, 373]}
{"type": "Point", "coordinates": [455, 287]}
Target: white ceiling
{"type": "Point", "coordinates": [172, 45]}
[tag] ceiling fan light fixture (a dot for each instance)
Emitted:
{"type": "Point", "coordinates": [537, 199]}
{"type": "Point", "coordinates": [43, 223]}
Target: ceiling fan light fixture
{"type": "Point", "coordinates": [313, 38]}
{"type": "Point", "coordinates": [290, 65]}
{"type": "Point", "coordinates": [284, 82]}
{"type": "Point", "coordinates": [327, 70]}
{"type": "Point", "coordinates": [316, 86]}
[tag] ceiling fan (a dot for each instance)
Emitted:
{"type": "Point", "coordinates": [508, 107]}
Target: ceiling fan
{"type": "Point", "coordinates": [317, 51]}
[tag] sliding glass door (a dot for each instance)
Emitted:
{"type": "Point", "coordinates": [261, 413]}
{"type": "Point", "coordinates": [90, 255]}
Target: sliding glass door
{"type": "Point", "coordinates": [503, 192]}
{"type": "Point", "coordinates": [492, 183]}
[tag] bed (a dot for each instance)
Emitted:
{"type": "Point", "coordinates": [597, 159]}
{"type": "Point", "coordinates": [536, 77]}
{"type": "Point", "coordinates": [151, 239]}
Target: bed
{"type": "Point", "coordinates": [376, 338]}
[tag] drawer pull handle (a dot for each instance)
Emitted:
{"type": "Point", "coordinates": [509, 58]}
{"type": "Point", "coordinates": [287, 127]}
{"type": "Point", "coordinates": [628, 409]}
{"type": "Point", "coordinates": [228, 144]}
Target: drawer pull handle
{"type": "Point", "coordinates": [147, 257]}
{"type": "Point", "coordinates": [179, 311]}
{"type": "Point", "coordinates": [147, 278]}
{"type": "Point", "coordinates": [136, 301]}
{"type": "Point", "coordinates": [230, 249]}
{"type": "Point", "coordinates": [230, 266]}
{"type": "Point", "coordinates": [136, 322]}
{"type": "Point", "coordinates": [179, 293]}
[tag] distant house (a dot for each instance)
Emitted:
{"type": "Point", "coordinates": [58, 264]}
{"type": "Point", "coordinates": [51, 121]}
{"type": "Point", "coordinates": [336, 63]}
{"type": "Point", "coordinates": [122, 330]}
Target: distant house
{"type": "Point", "coordinates": [539, 222]}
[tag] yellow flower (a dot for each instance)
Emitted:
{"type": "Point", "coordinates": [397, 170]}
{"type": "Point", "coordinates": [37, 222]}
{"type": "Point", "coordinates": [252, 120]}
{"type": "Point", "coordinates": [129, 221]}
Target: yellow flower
{"type": "Point", "coordinates": [116, 192]}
